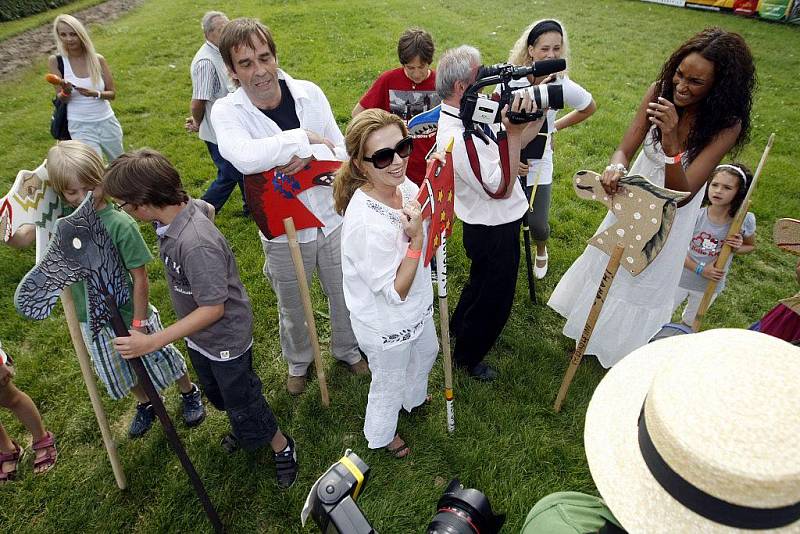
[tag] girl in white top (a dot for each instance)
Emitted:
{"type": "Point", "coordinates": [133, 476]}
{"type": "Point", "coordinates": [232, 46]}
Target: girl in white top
{"type": "Point", "coordinates": [542, 40]}
{"type": "Point", "coordinates": [386, 285]}
{"type": "Point", "coordinates": [87, 87]}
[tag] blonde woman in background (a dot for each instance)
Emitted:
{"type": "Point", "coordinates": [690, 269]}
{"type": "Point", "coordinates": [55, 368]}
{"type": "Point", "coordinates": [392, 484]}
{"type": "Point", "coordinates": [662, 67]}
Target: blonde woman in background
{"type": "Point", "coordinates": [543, 40]}
{"type": "Point", "coordinates": [87, 88]}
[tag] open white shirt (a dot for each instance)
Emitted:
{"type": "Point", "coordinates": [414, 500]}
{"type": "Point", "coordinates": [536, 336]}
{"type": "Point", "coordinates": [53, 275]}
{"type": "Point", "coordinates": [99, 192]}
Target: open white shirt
{"type": "Point", "coordinates": [473, 205]}
{"type": "Point", "coordinates": [254, 143]}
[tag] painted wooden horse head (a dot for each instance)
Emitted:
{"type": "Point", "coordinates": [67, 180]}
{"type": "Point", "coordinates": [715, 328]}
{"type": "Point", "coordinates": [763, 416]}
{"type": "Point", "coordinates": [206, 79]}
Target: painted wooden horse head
{"type": "Point", "coordinates": [80, 249]}
{"type": "Point", "coordinates": [31, 200]}
{"type": "Point", "coordinates": [644, 214]}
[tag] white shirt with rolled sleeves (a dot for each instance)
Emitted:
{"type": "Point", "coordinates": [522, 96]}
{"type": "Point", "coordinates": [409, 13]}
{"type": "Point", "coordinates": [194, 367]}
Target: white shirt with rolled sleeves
{"type": "Point", "coordinates": [473, 205]}
{"type": "Point", "coordinates": [253, 143]}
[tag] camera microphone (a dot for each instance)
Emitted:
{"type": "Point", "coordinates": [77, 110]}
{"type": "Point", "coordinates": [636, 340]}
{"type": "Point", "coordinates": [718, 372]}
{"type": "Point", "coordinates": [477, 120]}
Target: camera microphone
{"type": "Point", "coordinates": [540, 68]}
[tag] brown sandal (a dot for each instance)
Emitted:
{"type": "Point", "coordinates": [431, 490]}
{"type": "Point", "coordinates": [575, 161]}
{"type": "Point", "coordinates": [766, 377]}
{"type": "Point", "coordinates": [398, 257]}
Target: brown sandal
{"type": "Point", "coordinates": [10, 458]}
{"type": "Point", "coordinates": [399, 452]}
{"type": "Point", "coordinates": [45, 462]}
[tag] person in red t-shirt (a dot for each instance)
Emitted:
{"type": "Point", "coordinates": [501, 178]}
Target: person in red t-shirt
{"type": "Point", "coordinates": [408, 91]}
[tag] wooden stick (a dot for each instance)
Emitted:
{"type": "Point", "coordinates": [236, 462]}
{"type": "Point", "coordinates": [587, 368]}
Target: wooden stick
{"type": "Point", "coordinates": [143, 379]}
{"type": "Point", "coordinates": [444, 324]}
{"type": "Point", "coordinates": [726, 251]}
{"type": "Point", "coordinates": [94, 395]}
{"type": "Point", "coordinates": [305, 296]}
{"type": "Point", "coordinates": [591, 320]}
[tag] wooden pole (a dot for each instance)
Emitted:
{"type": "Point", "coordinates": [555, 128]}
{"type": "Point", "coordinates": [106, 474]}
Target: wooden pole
{"type": "Point", "coordinates": [143, 379]}
{"type": "Point", "coordinates": [305, 296]}
{"type": "Point", "coordinates": [591, 320]}
{"type": "Point", "coordinates": [726, 251]}
{"type": "Point", "coordinates": [444, 323]}
{"type": "Point", "coordinates": [94, 395]}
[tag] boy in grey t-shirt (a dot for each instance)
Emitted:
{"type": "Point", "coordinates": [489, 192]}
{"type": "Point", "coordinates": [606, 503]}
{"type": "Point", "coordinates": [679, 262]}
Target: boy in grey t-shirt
{"type": "Point", "coordinates": [210, 301]}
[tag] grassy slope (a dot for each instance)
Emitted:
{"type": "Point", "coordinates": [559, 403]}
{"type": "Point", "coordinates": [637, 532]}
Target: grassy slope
{"type": "Point", "coordinates": [509, 442]}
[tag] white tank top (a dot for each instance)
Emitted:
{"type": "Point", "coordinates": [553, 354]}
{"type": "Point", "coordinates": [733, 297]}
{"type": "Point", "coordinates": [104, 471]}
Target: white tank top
{"type": "Point", "coordinates": [85, 108]}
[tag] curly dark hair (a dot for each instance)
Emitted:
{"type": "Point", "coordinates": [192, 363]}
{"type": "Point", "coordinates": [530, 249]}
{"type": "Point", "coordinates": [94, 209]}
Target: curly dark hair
{"type": "Point", "coordinates": [731, 96]}
{"type": "Point", "coordinates": [744, 184]}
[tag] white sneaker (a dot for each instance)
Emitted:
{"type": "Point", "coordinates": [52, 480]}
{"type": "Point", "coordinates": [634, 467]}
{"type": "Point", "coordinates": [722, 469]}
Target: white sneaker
{"type": "Point", "coordinates": [539, 272]}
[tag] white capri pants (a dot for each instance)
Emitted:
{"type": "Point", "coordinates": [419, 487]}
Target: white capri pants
{"type": "Point", "coordinates": [399, 380]}
{"type": "Point", "coordinates": [693, 299]}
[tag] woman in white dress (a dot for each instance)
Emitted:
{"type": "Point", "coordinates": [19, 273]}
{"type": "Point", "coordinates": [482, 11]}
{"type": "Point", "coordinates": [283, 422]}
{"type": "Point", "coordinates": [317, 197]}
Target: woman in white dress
{"type": "Point", "coordinates": [387, 288]}
{"type": "Point", "coordinates": [695, 113]}
{"type": "Point", "coordinates": [87, 88]}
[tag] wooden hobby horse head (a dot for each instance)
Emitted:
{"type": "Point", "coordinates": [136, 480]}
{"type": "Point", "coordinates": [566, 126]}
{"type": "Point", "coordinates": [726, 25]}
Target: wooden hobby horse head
{"type": "Point", "coordinates": [31, 200]}
{"type": "Point", "coordinates": [644, 214]}
{"type": "Point", "coordinates": [80, 249]}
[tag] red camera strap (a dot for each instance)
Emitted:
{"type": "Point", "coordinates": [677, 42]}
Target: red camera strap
{"type": "Point", "coordinates": [474, 163]}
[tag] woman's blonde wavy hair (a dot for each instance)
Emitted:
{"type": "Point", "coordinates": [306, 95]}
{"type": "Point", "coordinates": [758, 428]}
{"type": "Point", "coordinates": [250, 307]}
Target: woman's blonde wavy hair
{"type": "Point", "coordinates": [349, 177]}
{"type": "Point", "coordinates": [95, 71]}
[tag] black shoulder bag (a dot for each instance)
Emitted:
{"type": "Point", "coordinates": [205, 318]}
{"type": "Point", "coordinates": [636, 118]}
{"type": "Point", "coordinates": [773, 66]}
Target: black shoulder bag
{"type": "Point", "coordinates": [58, 122]}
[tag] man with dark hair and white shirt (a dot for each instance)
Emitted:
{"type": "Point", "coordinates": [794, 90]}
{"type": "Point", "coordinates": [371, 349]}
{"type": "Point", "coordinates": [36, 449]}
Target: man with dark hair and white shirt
{"type": "Point", "coordinates": [276, 122]}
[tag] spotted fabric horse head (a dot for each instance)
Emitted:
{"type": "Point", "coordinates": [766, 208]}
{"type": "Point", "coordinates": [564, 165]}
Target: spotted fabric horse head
{"type": "Point", "coordinates": [644, 215]}
{"type": "Point", "coordinates": [80, 249]}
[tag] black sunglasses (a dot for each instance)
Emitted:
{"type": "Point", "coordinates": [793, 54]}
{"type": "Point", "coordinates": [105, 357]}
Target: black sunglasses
{"type": "Point", "coordinates": [384, 157]}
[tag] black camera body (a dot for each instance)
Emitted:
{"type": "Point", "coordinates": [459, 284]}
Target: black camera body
{"type": "Point", "coordinates": [476, 107]}
{"type": "Point", "coordinates": [332, 504]}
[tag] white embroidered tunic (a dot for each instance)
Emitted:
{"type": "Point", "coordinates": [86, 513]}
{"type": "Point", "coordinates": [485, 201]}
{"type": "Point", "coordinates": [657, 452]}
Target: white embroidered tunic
{"type": "Point", "coordinates": [373, 245]}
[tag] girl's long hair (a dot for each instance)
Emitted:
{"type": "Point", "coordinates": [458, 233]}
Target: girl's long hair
{"type": "Point", "coordinates": [731, 97]}
{"type": "Point", "coordinates": [95, 71]}
{"type": "Point", "coordinates": [349, 177]}
{"type": "Point", "coordinates": [518, 55]}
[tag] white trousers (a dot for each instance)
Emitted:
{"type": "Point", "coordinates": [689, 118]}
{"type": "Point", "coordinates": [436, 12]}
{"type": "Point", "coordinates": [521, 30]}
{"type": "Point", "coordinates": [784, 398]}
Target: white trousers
{"type": "Point", "coordinates": [399, 380]}
{"type": "Point", "coordinates": [692, 299]}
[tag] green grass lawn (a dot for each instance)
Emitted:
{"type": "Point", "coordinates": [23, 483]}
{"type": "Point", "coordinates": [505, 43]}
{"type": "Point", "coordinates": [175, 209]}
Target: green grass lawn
{"type": "Point", "coordinates": [508, 441]}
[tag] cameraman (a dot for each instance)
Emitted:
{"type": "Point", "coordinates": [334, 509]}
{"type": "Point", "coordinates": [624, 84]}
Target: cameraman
{"type": "Point", "coordinates": [491, 225]}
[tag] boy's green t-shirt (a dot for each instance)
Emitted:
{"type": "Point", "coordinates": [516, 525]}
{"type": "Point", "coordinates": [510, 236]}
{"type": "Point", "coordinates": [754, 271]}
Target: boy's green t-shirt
{"type": "Point", "coordinates": [133, 250]}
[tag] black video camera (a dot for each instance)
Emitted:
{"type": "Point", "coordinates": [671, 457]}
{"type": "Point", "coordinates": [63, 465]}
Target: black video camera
{"type": "Point", "coordinates": [476, 107]}
{"type": "Point", "coordinates": [331, 504]}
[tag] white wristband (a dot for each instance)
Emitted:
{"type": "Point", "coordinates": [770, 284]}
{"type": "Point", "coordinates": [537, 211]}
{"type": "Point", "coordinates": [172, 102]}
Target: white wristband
{"type": "Point", "coordinates": [3, 357]}
{"type": "Point", "coordinates": [99, 94]}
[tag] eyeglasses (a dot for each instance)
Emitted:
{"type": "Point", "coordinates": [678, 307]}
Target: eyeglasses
{"type": "Point", "coordinates": [384, 157]}
{"type": "Point", "coordinates": [120, 206]}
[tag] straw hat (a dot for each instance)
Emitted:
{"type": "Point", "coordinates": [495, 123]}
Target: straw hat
{"type": "Point", "coordinates": [722, 413]}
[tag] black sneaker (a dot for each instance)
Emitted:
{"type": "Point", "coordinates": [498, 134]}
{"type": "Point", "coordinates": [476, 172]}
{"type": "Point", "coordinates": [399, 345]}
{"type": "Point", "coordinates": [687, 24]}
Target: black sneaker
{"type": "Point", "coordinates": [286, 466]}
{"type": "Point", "coordinates": [142, 421]}
{"type": "Point", "coordinates": [483, 372]}
{"type": "Point", "coordinates": [193, 410]}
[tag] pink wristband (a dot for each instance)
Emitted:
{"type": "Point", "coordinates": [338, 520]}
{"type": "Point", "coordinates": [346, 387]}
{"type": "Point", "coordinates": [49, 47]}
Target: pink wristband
{"type": "Point", "coordinates": [139, 323]}
{"type": "Point", "coordinates": [413, 254]}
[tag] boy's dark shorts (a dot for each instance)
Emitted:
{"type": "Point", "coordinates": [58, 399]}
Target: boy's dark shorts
{"type": "Point", "coordinates": [234, 387]}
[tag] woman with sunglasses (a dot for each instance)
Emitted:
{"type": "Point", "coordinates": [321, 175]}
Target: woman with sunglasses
{"type": "Point", "coordinates": [386, 284]}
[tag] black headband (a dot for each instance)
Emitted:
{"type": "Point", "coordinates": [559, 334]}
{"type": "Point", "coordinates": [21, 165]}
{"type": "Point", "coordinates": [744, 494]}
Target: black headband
{"type": "Point", "coordinates": [543, 27]}
{"type": "Point", "coordinates": [704, 504]}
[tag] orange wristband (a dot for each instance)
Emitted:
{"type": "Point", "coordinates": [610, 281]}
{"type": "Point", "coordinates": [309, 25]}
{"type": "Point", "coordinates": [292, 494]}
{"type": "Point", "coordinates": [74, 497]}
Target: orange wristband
{"type": "Point", "coordinates": [413, 254]}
